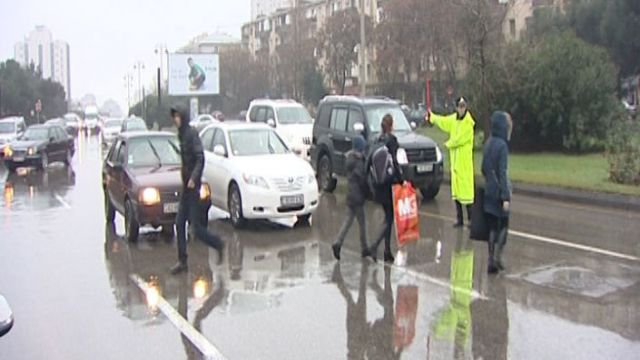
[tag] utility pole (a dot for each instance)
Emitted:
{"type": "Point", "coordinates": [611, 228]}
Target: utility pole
{"type": "Point", "coordinates": [128, 80]}
{"type": "Point", "coordinates": [160, 50]}
{"type": "Point", "coordinates": [139, 66]}
{"type": "Point", "coordinates": [363, 51]}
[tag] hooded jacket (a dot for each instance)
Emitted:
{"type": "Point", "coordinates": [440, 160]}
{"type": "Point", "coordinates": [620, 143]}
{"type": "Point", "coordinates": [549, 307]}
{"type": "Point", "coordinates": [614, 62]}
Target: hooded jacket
{"type": "Point", "coordinates": [357, 177]}
{"type": "Point", "coordinates": [191, 152]}
{"type": "Point", "coordinates": [495, 166]}
{"type": "Point", "coordinates": [460, 145]}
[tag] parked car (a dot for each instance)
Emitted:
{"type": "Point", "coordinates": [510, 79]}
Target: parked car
{"type": "Point", "coordinates": [254, 175]}
{"type": "Point", "coordinates": [133, 124]}
{"type": "Point", "coordinates": [202, 121]}
{"type": "Point", "coordinates": [110, 130]}
{"type": "Point", "coordinates": [290, 119]}
{"type": "Point", "coordinates": [62, 122]}
{"type": "Point", "coordinates": [6, 316]}
{"type": "Point", "coordinates": [340, 118]}
{"type": "Point", "coordinates": [11, 128]}
{"type": "Point", "coordinates": [38, 147]}
{"type": "Point", "coordinates": [141, 180]}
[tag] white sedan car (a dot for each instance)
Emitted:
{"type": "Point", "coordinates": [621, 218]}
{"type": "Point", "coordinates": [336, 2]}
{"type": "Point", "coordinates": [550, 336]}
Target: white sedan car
{"type": "Point", "coordinates": [253, 175]}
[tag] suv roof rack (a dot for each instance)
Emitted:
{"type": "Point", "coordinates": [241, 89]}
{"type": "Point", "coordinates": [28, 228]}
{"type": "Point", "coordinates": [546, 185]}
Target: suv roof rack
{"type": "Point", "coordinates": [361, 99]}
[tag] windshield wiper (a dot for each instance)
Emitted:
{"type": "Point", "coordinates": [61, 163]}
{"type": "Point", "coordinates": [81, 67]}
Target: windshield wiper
{"type": "Point", "coordinates": [155, 152]}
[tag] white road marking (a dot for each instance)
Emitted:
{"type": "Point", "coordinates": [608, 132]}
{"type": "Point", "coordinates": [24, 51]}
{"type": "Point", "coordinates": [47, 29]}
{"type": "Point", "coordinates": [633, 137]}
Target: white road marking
{"type": "Point", "coordinates": [207, 349]}
{"type": "Point", "coordinates": [553, 241]}
{"type": "Point", "coordinates": [63, 202]}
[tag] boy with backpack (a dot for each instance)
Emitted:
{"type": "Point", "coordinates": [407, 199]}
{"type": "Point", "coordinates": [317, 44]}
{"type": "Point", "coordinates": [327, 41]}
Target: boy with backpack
{"type": "Point", "coordinates": [356, 196]}
{"type": "Point", "coordinates": [383, 173]}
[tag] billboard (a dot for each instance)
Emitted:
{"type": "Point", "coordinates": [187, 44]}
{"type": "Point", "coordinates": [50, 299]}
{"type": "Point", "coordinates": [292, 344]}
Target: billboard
{"type": "Point", "coordinates": [194, 74]}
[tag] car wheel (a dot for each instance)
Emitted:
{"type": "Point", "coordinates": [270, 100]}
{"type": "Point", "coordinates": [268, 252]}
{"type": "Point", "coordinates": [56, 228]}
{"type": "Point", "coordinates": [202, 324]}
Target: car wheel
{"type": "Point", "coordinates": [235, 207]}
{"type": "Point", "coordinates": [168, 230]}
{"type": "Point", "coordinates": [325, 175]}
{"type": "Point", "coordinates": [109, 210]}
{"type": "Point", "coordinates": [304, 220]}
{"type": "Point", "coordinates": [67, 158]}
{"type": "Point", "coordinates": [44, 161]}
{"type": "Point", "coordinates": [429, 193]}
{"type": "Point", "coordinates": [131, 225]}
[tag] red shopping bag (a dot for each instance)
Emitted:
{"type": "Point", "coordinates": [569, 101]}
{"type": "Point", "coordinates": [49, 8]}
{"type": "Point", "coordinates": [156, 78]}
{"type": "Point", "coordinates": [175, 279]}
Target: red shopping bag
{"type": "Point", "coordinates": [405, 207]}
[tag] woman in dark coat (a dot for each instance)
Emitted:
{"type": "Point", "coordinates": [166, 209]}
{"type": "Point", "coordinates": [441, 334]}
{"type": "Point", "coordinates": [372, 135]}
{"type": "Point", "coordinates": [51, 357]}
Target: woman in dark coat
{"type": "Point", "coordinates": [497, 201]}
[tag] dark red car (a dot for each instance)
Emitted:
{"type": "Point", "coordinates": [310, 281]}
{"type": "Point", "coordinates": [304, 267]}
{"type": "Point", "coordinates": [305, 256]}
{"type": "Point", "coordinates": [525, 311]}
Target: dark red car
{"type": "Point", "coordinates": [141, 180]}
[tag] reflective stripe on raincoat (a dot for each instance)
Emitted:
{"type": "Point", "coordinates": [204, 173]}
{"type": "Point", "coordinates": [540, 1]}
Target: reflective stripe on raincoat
{"type": "Point", "coordinates": [460, 145]}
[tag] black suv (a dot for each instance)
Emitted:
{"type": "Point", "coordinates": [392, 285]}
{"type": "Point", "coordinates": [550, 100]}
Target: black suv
{"type": "Point", "coordinates": [342, 117]}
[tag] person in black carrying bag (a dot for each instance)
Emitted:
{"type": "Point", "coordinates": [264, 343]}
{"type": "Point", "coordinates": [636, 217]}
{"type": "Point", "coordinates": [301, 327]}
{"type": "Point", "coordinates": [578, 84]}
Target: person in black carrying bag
{"type": "Point", "coordinates": [384, 172]}
{"type": "Point", "coordinates": [356, 196]}
{"type": "Point", "coordinates": [497, 196]}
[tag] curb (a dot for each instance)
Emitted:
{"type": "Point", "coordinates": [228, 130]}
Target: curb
{"type": "Point", "coordinates": [608, 200]}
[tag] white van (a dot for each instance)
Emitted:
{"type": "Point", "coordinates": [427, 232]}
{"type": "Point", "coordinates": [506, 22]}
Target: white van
{"type": "Point", "coordinates": [290, 119]}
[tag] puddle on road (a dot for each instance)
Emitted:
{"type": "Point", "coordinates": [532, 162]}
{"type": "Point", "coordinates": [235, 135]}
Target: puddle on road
{"type": "Point", "coordinates": [576, 280]}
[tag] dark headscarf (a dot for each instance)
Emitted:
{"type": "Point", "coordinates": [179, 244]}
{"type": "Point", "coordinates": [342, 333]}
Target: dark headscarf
{"type": "Point", "coordinates": [184, 119]}
{"type": "Point", "coordinates": [500, 125]}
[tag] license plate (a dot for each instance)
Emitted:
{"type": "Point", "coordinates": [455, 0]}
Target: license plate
{"type": "Point", "coordinates": [292, 200]}
{"type": "Point", "coordinates": [425, 168]}
{"type": "Point", "coordinates": [171, 208]}
{"type": "Point", "coordinates": [18, 159]}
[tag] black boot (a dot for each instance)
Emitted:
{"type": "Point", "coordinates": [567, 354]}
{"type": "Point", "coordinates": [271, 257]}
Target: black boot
{"type": "Point", "coordinates": [336, 251]}
{"type": "Point", "coordinates": [459, 215]}
{"type": "Point", "coordinates": [180, 267]}
{"type": "Point", "coordinates": [492, 268]}
{"type": "Point", "coordinates": [388, 258]}
{"type": "Point", "coordinates": [499, 247]}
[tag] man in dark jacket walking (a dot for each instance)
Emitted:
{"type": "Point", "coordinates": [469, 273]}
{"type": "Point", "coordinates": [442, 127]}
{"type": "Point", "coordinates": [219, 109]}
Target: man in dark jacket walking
{"type": "Point", "coordinates": [497, 196]}
{"type": "Point", "coordinates": [356, 196]}
{"type": "Point", "coordinates": [192, 166]}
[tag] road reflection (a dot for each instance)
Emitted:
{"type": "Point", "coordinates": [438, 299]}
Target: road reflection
{"type": "Point", "coordinates": [36, 189]}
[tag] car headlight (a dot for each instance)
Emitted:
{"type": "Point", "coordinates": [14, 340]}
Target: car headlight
{"type": "Point", "coordinates": [150, 196]}
{"type": "Point", "coordinates": [438, 154]}
{"type": "Point", "coordinates": [401, 156]}
{"type": "Point", "coordinates": [255, 181]}
{"type": "Point", "coordinates": [205, 192]}
{"type": "Point", "coordinates": [31, 151]}
{"type": "Point", "coordinates": [7, 151]}
{"type": "Point", "coordinates": [311, 179]}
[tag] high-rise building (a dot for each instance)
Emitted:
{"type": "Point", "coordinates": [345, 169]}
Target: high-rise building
{"type": "Point", "coordinates": [267, 7]}
{"type": "Point", "coordinates": [50, 57]}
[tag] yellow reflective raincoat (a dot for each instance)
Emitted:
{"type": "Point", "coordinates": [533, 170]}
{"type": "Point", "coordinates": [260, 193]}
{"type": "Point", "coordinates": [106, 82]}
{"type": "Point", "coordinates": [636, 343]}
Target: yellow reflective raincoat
{"type": "Point", "coordinates": [460, 145]}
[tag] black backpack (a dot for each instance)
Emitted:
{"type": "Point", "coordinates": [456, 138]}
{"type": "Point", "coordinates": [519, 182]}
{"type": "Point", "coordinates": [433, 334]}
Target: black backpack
{"type": "Point", "coordinates": [381, 170]}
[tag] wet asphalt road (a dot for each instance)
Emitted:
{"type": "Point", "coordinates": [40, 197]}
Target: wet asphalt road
{"type": "Point", "coordinates": [571, 290]}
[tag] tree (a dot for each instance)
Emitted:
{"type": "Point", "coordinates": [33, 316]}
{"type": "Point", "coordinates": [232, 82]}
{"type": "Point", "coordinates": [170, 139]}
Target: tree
{"type": "Point", "coordinates": [560, 91]}
{"type": "Point", "coordinates": [242, 79]}
{"type": "Point", "coordinates": [22, 87]}
{"type": "Point", "coordinates": [338, 44]}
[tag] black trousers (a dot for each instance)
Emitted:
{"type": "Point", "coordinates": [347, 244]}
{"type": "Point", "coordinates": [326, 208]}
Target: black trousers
{"type": "Point", "coordinates": [498, 231]}
{"type": "Point", "coordinates": [353, 213]}
{"type": "Point", "coordinates": [460, 215]}
{"type": "Point", "coordinates": [190, 210]}
{"type": "Point", "coordinates": [385, 233]}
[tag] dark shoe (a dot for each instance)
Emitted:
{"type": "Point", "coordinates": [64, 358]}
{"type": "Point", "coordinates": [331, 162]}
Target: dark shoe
{"type": "Point", "coordinates": [458, 225]}
{"type": "Point", "coordinates": [373, 254]}
{"type": "Point", "coordinates": [336, 251]}
{"type": "Point", "coordinates": [500, 265]}
{"type": "Point", "coordinates": [493, 269]}
{"type": "Point", "coordinates": [388, 258]}
{"type": "Point", "coordinates": [178, 268]}
{"type": "Point", "coordinates": [366, 253]}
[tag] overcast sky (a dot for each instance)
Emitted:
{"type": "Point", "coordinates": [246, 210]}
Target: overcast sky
{"type": "Point", "coordinates": [107, 37]}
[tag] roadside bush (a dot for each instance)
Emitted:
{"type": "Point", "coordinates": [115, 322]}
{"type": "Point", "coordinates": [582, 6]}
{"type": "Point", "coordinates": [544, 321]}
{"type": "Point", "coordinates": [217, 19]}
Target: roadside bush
{"type": "Point", "coordinates": [623, 151]}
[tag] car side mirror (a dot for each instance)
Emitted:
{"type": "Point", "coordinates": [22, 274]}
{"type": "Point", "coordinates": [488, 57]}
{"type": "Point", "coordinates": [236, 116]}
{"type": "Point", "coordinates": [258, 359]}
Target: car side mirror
{"type": "Point", "coordinates": [6, 316]}
{"type": "Point", "coordinates": [219, 150]}
{"type": "Point", "coordinates": [52, 139]}
{"type": "Point", "coordinates": [117, 167]}
{"type": "Point", "coordinates": [271, 123]}
{"type": "Point", "coordinates": [358, 127]}
{"type": "Point", "coordinates": [414, 125]}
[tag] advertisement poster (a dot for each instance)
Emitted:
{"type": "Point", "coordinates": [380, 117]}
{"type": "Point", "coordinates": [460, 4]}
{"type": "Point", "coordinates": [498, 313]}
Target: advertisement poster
{"type": "Point", "coordinates": [194, 74]}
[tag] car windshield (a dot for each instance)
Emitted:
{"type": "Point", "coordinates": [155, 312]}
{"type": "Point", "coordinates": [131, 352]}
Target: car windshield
{"type": "Point", "coordinates": [39, 133]}
{"type": "Point", "coordinates": [376, 113]}
{"type": "Point", "coordinates": [7, 127]}
{"type": "Point", "coordinates": [153, 151]}
{"type": "Point", "coordinates": [113, 123]}
{"type": "Point", "coordinates": [71, 119]}
{"type": "Point", "coordinates": [204, 118]}
{"type": "Point", "coordinates": [254, 142]}
{"type": "Point", "coordinates": [136, 125]}
{"type": "Point", "coordinates": [293, 115]}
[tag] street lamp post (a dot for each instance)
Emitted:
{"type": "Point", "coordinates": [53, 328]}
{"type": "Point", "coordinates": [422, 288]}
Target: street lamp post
{"type": "Point", "coordinates": [139, 65]}
{"type": "Point", "coordinates": [160, 50]}
{"type": "Point", "coordinates": [363, 51]}
{"type": "Point", "coordinates": [128, 80]}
